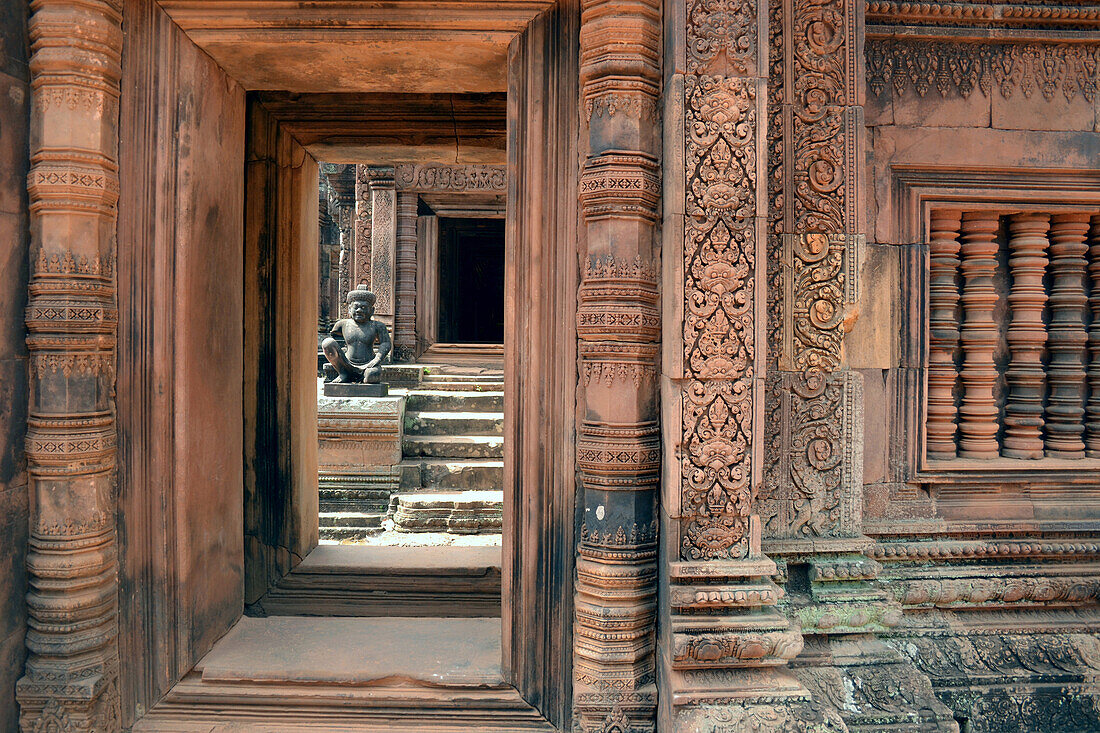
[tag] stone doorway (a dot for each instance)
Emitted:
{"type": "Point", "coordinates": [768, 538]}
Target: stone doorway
{"type": "Point", "coordinates": [471, 281]}
{"type": "Point", "coordinates": [192, 562]}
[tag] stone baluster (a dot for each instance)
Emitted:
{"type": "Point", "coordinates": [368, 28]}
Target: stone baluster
{"type": "Point", "coordinates": [1067, 338]}
{"type": "Point", "coordinates": [1027, 336]}
{"type": "Point", "coordinates": [1092, 426]}
{"type": "Point", "coordinates": [978, 413]}
{"type": "Point", "coordinates": [943, 300]}
{"type": "Point", "coordinates": [71, 679]}
{"type": "Point", "coordinates": [404, 322]}
{"type": "Point", "coordinates": [618, 325]}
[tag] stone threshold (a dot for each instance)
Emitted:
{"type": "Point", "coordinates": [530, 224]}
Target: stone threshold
{"type": "Point", "coordinates": [376, 581]}
{"type": "Point", "coordinates": [348, 674]}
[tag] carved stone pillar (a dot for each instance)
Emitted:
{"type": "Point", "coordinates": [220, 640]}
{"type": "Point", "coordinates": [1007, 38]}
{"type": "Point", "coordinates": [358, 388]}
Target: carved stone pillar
{"type": "Point", "coordinates": [71, 680]}
{"type": "Point", "coordinates": [361, 228]}
{"type": "Point", "coordinates": [383, 204]}
{"type": "Point", "coordinates": [618, 443]}
{"type": "Point", "coordinates": [978, 413]}
{"type": "Point", "coordinates": [404, 326]}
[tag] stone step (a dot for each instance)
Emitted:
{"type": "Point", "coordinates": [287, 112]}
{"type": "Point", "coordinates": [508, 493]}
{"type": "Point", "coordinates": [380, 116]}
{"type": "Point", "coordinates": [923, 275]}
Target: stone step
{"type": "Point", "coordinates": [351, 519]}
{"type": "Point", "coordinates": [447, 386]}
{"type": "Point", "coordinates": [458, 512]}
{"type": "Point", "coordinates": [444, 473]}
{"type": "Point", "coordinates": [453, 446]}
{"type": "Point", "coordinates": [345, 534]}
{"type": "Point", "coordinates": [454, 423]}
{"type": "Point", "coordinates": [454, 401]}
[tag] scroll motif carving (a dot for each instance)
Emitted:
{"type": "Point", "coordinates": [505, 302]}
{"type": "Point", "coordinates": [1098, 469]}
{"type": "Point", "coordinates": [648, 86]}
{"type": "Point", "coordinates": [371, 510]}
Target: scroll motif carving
{"type": "Point", "coordinates": [954, 68]}
{"type": "Point", "coordinates": [811, 427]}
{"type": "Point", "coordinates": [362, 228]}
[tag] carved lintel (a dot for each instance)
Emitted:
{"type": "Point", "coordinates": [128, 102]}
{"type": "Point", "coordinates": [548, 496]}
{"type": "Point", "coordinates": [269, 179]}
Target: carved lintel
{"type": "Point", "coordinates": [438, 177]}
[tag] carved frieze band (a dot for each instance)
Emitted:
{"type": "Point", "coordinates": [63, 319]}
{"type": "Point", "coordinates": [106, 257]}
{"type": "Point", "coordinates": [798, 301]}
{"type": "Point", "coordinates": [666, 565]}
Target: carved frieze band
{"type": "Point", "coordinates": [428, 177]}
{"type": "Point", "coordinates": [958, 68]}
{"type": "Point", "coordinates": [71, 678]}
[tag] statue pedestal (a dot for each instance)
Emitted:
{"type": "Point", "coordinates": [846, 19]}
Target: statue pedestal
{"type": "Point", "coordinates": [353, 389]}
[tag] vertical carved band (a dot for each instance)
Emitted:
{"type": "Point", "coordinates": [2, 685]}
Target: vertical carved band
{"type": "Point", "coordinates": [383, 204]}
{"type": "Point", "coordinates": [815, 247]}
{"type": "Point", "coordinates": [1092, 428]}
{"type": "Point", "coordinates": [978, 413]}
{"type": "Point", "coordinates": [71, 680]}
{"type": "Point", "coordinates": [1067, 340]}
{"type": "Point", "coordinates": [361, 228]}
{"type": "Point", "coordinates": [404, 322]}
{"type": "Point", "coordinates": [618, 324]}
{"type": "Point", "coordinates": [943, 331]}
{"type": "Point", "coordinates": [1027, 336]}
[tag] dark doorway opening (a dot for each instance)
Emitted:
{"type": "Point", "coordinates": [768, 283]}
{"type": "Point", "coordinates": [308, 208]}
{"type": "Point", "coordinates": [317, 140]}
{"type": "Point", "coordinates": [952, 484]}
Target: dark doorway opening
{"type": "Point", "coordinates": [471, 281]}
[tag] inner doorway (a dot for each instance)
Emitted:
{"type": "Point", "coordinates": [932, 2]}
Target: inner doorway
{"type": "Point", "coordinates": [471, 281]}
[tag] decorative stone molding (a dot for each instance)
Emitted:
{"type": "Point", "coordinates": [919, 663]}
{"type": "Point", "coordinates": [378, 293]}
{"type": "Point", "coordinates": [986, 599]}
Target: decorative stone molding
{"type": "Point", "coordinates": [618, 450]}
{"type": "Point", "coordinates": [959, 68]}
{"type": "Point", "coordinates": [431, 177]}
{"type": "Point", "coordinates": [71, 678]}
{"type": "Point", "coordinates": [361, 231]}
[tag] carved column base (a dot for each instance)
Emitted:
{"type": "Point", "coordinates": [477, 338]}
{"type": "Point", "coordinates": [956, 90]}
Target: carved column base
{"type": "Point", "coordinates": [776, 714]}
{"type": "Point", "coordinates": [871, 686]}
{"type": "Point", "coordinates": [64, 699]}
{"type": "Point", "coordinates": [628, 711]}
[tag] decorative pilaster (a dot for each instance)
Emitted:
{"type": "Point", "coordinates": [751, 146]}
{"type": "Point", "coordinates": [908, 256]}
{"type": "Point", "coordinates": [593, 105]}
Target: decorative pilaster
{"type": "Point", "coordinates": [978, 413]}
{"type": "Point", "coordinates": [404, 327]}
{"type": "Point", "coordinates": [1027, 335]}
{"type": "Point", "coordinates": [361, 228]}
{"type": "Point", "coordinates": [618, 442]}
{"type": "Point", "coordinates": [383, 200]}
{"type": "Point", "coordinates": [1067, 339]}
{"type": "Point", "coordinates": [71, 680]}
{"type": "Point", "coordinates": [943, 332]}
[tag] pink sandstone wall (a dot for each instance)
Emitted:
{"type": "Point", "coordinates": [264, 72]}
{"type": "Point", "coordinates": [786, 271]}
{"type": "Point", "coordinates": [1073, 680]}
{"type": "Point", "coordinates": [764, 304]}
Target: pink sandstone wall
{"type": "Point", "coordinates": [180, 283]}
{"type": "Point", "coordinates": [14, 105]}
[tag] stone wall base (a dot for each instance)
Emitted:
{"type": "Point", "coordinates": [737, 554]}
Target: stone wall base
{"type": "Point", "coordinates": [1011, 683]}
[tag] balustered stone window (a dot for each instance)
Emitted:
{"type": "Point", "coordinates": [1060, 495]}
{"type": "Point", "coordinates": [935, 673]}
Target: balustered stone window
{"type": "Point", "coordinates": [1013, 320]}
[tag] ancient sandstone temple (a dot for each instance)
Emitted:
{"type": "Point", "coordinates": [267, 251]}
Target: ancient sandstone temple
{"type": "Point", "coordinates": [802, 346]}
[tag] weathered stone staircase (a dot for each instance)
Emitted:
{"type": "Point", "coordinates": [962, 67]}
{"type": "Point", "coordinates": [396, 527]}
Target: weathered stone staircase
{"type": "Point", "coordinates": [453, 466]}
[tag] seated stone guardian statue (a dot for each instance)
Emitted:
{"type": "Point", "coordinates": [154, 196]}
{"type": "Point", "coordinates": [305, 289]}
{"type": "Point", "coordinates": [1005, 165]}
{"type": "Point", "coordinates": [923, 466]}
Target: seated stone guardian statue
{"type": "Point", "coordinates": [359, 361]}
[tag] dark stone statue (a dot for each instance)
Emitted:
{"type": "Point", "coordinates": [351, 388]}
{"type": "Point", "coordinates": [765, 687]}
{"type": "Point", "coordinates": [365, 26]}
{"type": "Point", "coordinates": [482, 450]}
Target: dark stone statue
{"type": "Point", "coordinates": [358, 362]}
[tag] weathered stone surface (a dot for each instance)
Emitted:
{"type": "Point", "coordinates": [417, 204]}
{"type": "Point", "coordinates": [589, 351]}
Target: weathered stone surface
{"type": "Point", "coordinates": [461, 512]}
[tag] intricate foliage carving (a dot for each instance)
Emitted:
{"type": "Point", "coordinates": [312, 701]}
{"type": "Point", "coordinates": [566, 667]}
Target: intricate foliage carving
{"type": "Point", "coordinates": [959, 68]}
{"type": "Point", "coordinates": [810, 486]}
{"type": "Point", "coordinates": [722, 30]}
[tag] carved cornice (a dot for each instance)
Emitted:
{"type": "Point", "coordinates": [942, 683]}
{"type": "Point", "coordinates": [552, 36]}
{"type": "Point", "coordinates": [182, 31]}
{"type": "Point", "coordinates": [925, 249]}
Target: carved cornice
{"type": "Point", "coordinates": [884, 16]}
